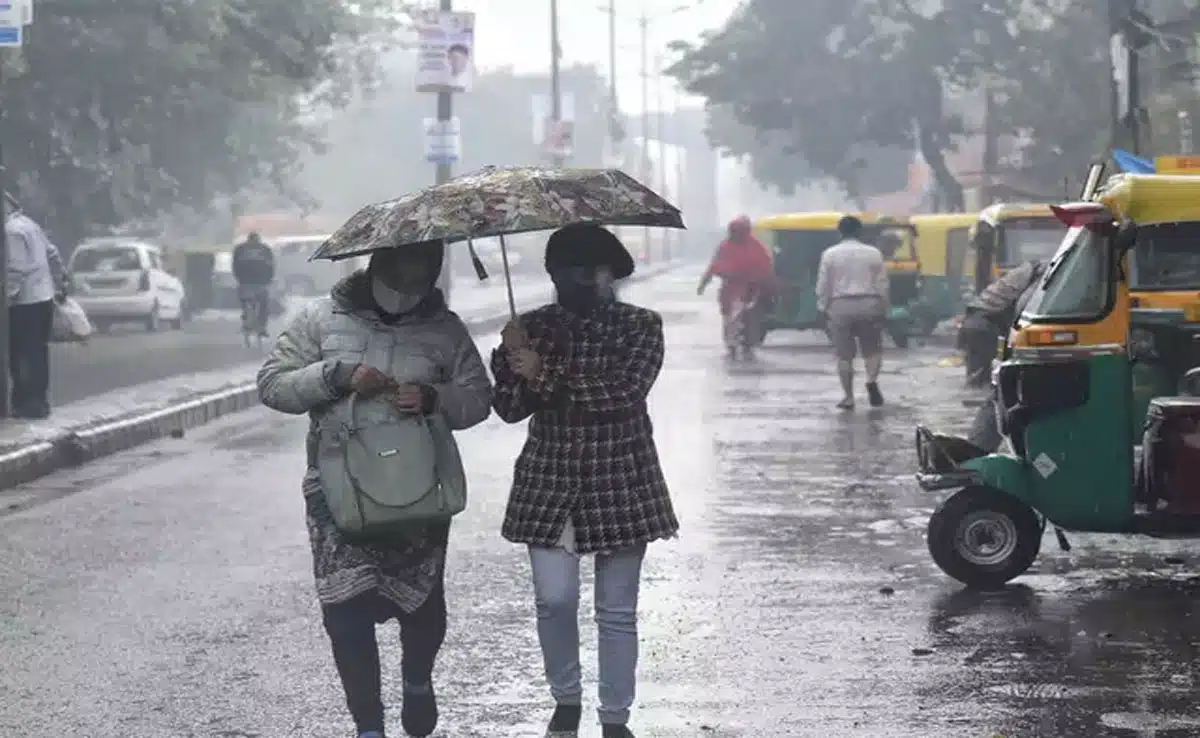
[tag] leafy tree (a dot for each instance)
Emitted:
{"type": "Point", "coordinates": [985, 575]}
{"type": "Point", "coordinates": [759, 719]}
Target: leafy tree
{"type": "Point", "coordinates": [117, 111]}
{"type": "Point", "coordinates": [837, 78]}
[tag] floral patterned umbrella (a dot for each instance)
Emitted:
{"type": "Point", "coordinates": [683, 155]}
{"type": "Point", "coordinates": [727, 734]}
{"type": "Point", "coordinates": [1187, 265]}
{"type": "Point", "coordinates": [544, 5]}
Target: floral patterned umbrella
{"type": "Point", "coordinates": [501, 200]}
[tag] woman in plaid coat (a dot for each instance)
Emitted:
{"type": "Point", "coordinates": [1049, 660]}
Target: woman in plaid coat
{"type": "Point", "coordinates": [588, 480]}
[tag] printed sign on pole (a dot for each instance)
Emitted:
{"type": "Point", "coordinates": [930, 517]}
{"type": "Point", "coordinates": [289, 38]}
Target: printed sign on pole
{"type": "Point", "coordinates": [446, 55]}
{"type": "Point", "coordinates": [555, 139]}
{"type": "Point", "coordinates": [443, 140]}
{"type": "Point", "coordinates": [12, 23]}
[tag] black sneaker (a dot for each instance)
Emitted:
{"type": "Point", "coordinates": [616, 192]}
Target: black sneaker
{"type": "Point", "coordinates": [564, 723]}
{"type": "Point", "coordinates": [419, 716]}
{"type": "Point", "coordinates": [616, 731]}
{"type": "Point", "coordinates": [873, 393]}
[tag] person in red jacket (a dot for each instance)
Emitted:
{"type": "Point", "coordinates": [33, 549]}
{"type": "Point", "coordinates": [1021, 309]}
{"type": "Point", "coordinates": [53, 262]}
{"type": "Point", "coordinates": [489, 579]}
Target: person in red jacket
{"type": "Point", "coordinates": [747, 272]}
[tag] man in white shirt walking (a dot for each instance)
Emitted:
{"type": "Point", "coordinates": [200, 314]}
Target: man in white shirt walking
{"type": "Point", "coordinates": [852, 292]}
{"type": "Point", "coordinates": [36, 278]}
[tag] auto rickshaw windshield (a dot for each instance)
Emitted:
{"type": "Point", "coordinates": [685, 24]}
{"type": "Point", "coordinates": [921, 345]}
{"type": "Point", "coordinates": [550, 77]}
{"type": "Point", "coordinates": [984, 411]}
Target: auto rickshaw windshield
{"type": "Point", "coordinates": [1030, 240]}
{"type": "Point", "coordinates": [1166, 257]}
{"type": "Point", "coordinates": [1078, 285]}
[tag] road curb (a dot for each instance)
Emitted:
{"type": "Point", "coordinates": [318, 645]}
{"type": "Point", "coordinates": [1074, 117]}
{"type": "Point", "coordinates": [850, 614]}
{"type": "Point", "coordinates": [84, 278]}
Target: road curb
{"type": "Point", "coordinates": [77, 447]}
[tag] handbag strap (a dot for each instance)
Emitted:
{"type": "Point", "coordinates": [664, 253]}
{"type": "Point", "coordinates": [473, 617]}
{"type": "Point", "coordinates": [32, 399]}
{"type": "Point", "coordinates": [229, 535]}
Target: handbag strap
{"type": "Point", "coordinates": [353, 430]}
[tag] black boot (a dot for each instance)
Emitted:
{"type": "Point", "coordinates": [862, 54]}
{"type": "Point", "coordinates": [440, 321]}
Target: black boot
{"type": "Point", "coordinates": [419, 716]}
{"type": "Point", "coordinates": [564, 723]}
{"type": "Point", "coordinates": [615, 731]}
{"type": "Point", "coordinates": [874, 395]}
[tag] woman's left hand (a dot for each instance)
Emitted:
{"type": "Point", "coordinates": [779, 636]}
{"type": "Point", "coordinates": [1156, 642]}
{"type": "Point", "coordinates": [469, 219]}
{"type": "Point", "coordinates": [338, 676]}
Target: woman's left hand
{"type": "Point", "coordinates": [525, 363]}
{"type": "Point", "coordinates": [410, 399]}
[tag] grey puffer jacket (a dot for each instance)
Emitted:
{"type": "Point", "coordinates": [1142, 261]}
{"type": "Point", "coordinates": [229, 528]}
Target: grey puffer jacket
{"type": "Point", "coordinates": [310, 365]}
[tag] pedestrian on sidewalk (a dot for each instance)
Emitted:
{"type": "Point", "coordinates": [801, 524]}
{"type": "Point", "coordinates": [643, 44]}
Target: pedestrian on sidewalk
{"type": "Point", "coordinates": [747, 273]}
{"type": "Point", "coordinates": [588, 480]}
{"type": "Point", "coordinates": [36, 280]}
{"type": "Point", "coordinates": [852, 294]}
{"type": "Point", "coordinates": [384, 330]}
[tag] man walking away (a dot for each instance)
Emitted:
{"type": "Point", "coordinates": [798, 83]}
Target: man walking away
{"type": "Point", "coordinates": [254, 270]}
{"type": "Point", "coordinates": [852, 293]}
{"type": "Point", "coordinates": [36, 278]}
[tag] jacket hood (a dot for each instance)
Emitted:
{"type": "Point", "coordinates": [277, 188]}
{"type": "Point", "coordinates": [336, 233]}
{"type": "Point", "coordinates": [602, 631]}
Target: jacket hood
{"type": "Point", "coordinates": [353, 294]}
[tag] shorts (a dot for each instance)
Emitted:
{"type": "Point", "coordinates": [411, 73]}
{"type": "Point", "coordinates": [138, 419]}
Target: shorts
{"type": "Point", "coordinates": [857, 323]}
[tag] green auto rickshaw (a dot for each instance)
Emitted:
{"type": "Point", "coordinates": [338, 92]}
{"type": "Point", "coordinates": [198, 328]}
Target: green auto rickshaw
{"type": "Point", "coordinates": [942, 248]}
{"type": "Point", "coordinates": [1065, 401]}
{"type": "Point", "coordinates": [796, 242]}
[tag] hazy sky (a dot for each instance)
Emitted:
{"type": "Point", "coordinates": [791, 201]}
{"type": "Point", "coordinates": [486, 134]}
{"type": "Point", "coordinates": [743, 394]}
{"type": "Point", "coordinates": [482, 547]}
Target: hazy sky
{"type": "Point", "coordinates": [517, 33]}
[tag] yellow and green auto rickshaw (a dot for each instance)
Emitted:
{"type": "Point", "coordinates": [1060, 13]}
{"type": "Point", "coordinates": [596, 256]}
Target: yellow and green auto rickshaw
{"type": "Point", "coordinates": [1006, 235]}
{"type": "Point", "coordinates": [942, 248]}
{"type": "Point", "coordinates": [1069, 400]}
{"type": "Point", "coordinates": [797, 241]}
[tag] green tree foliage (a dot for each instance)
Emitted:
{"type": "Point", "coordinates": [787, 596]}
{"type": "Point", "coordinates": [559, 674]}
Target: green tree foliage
{"type": "Point", "coordinates": [838, 76]}
{"type": "Point", "coordinates": [117, 110]}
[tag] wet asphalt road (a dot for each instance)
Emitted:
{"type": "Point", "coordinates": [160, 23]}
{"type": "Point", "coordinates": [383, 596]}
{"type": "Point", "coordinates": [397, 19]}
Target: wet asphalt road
{"type": "Point", "coordinates": [129, 356]}
{"type": "Point", "coordinates": [167, 592]}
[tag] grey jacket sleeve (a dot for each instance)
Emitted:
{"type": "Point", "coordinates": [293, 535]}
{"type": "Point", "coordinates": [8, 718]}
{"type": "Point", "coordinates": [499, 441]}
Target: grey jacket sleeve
{"type": "Point", "coordinates": [58, 270]}
{"type": "Point", "coordinates": [295, 379]}
{"type": "Point", "coordinates": [465, 399]}
{"type": "Point", "coordinates": [20, 262]}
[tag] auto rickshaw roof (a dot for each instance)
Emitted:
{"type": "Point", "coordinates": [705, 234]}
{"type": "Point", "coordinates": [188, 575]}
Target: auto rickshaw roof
{"type": "Point", "coordinates": [943, 220]}
{"type": "Point", "coordinates": [827, 220]}
{"type": "Point", "coordinates": [1150, 199]}
{"type": "Point", "coordinates": [1001, 211]}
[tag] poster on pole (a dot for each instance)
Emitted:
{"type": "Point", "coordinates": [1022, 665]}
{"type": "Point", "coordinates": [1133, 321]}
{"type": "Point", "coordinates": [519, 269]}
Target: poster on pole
{"type": "Point", "coordinates": [12, 23]}
{"type": "Point", "coordinates": [554, 138]}
{"type": "Point", "coordinates": [446, 51]}
{"type": "Point", "coordinates": [443, 140]}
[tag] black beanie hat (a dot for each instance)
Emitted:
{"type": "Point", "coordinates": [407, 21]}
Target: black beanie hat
{"type": "Point", "coordinates": [588, 245]}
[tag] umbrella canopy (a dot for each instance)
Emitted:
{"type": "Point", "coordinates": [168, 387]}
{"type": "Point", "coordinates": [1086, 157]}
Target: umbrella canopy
{"type": "Point", "coordinates": [497, 201]}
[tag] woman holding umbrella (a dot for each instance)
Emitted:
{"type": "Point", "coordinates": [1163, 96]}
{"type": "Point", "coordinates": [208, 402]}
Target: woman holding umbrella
{"type": "Point", "coordinates": [384, 332]}
{"type": "Point", "coordinates": [588, 480]}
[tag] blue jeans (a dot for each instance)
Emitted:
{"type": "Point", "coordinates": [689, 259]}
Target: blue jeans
{"type": "Point", "coordinates": [556, 589]}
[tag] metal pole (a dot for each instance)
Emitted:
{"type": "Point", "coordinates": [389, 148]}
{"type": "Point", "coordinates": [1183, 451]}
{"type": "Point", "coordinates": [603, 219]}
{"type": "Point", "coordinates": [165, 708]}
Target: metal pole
{"type": "Point", "coordinates": [612, 55]}
{"type": "Point", "coordinates": [555, 84]}
{"type": "Point", "coordinates": [445, 111]}
{"type": "Point", "coordinates": [660, 124]}
{"type": "Point", "coordinates": [5, 379]}
{"type": "Point", "coordinates": [679, 153]}
{"type": "Point", "coordinates": [645, 156]}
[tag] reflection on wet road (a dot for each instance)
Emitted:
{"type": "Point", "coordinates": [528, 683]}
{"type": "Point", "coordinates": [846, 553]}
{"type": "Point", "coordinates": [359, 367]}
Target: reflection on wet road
{"type": "Point", "coordinates": [167, 591]}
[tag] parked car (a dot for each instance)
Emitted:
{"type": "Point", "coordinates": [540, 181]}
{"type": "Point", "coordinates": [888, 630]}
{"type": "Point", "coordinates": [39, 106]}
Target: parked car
{"type": "Point", "coordinates": [119, 280]}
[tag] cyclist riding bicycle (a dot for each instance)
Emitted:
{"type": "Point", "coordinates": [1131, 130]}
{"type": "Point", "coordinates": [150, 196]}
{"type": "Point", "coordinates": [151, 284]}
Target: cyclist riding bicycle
{"type": "Point", "coordinates": [254, 270]}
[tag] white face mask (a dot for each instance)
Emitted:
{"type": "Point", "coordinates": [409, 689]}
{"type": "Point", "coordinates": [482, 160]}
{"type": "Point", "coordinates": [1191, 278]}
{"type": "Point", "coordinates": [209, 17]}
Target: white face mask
{"type": "Point", "coordinates": [393, 301]}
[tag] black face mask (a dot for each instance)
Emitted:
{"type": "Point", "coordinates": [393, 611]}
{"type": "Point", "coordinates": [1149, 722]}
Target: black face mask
{"type": "Point", "coordinates": [581, 290]}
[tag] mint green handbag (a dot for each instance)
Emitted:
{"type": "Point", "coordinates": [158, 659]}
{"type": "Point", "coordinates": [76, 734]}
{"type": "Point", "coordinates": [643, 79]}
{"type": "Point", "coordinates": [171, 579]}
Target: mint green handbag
{"type": "Point", "coordinates": [383, 472]}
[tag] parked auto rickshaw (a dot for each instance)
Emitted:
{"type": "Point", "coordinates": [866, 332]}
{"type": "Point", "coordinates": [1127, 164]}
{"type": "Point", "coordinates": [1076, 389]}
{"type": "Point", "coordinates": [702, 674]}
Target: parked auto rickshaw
{"type": "Point", "coordinates": [1006, 235]}
{"type": "Point", "coordinates": [797, 242]}
{"type": "Point", "coordinates": [942, 248]}
{"type": "Point", "coordinates": [1066, 399]}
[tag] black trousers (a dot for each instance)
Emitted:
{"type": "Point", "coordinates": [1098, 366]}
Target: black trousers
{"type": "Point", "coordinates": [351, 629]}
{"type": "Point", "coordinates": [979, 339]}
{"type": "Point", "coordinates": [29, 356]}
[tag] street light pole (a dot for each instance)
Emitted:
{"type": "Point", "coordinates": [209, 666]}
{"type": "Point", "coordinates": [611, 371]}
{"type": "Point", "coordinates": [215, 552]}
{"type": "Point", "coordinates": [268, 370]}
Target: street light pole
{"type": "Point", "coordinates": [645, 148]}
{"type": "Point", "coordinates": [555, 85]}
{"type": "Point", "coordinates": [445, 112]}
{"type": "Point", "coordinates": [660, 125]}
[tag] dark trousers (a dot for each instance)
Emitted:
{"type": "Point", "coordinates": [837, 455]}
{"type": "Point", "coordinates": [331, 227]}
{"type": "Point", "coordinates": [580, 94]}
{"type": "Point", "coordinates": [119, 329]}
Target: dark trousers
{"type": "Point", "coordinates": [979, 340]}
{"type": "Point", "coordinates": [351, 629]}
{"type": "Point", "coordinates": [29, 356]}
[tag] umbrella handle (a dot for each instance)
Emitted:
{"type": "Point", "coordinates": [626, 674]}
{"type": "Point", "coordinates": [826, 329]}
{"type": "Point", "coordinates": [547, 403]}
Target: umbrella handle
{"type": "Point", "coordinates": [512, 302]}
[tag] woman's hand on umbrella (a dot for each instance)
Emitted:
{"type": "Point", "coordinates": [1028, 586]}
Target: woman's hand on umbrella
{"type": "Point", "coordinates": [513, 336]}
{"type": "Point", "coordinates": [525, 363]}
{"type": "Point", "coordinates": [367, 380]}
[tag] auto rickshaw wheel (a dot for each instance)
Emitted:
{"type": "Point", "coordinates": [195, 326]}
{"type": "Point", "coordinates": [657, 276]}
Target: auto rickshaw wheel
{"type": "Point", "coordinates": [983, 537]}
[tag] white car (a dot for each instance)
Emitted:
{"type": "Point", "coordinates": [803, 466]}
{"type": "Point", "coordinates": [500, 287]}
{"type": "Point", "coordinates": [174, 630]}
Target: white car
{"type": "Point", "coordinates": [121, 280]}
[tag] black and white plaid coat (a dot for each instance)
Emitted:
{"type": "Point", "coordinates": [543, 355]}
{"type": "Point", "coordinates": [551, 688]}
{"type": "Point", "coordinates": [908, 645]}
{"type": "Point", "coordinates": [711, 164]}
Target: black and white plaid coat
{"type": "Point", "coordinates": [590, 456]}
